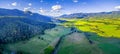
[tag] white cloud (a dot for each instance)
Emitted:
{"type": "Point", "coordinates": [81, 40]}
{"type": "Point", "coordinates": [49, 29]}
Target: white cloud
{"type": "Point", "coordinates": [41, 10]}
{"type": "Point", "coordinates": [75, 1]}
{"type": "Point", "coordinates": [26, 9]}
{"type": "Point", "coordinates": [56, 7]}
{"type": "Point", "coordinates": [30, 4]}
{"type": "Point", "coordinates": [14, 4]}
{"type": "Point", "coordinates": [117, 7]}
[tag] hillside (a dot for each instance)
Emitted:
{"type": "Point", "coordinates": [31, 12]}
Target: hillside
{"type": "Point", "coordinates": [86, 15]}
{"type": "Point", "coordinates": [14, 27]}
{"type": "Point", "coordinates": [18, 13]}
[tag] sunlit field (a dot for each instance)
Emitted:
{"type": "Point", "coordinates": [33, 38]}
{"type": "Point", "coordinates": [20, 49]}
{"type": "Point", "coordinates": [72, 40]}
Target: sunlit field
{"type": "Point", "coordinates": [107, 27]}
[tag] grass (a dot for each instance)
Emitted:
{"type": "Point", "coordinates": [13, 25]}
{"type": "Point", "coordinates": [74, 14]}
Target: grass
{"type": "Point", "coordinates": [37, 45]}
{"type": "Point", "coordinates": [107, 45]}
{"type": "Point", "coordinates": [103, 27]}
{"type": "Point", "coordinates": [77, 43]}
{"type": "Point", "coordinates": [48, 50]}
{"type": "Point", "coordinates": [103, 32]}
{"type": "Point", "coordinates": [33, 46]}
{"type": "Point", "coordinates": [109, 48]}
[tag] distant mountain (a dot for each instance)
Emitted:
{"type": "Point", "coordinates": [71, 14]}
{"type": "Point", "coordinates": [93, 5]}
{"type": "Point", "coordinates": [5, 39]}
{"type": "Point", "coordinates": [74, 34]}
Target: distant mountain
{"type": "Point", "coordinates": [85, 15]}
{"type": "Point", "coordinates": [14, 28]}
{"type": "Point", "coordinates": [27, 14]}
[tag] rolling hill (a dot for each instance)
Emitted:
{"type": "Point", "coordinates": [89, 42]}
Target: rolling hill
{"type": "Point", "coordinates": [16, 25]}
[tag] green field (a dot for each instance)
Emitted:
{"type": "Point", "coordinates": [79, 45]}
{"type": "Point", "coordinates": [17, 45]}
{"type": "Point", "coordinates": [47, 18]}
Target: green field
{"type": "Point", "coordinates": [104, 36]}
{"type": "Point", "coordinates": [77, 43]}
{"type": "Point", "coordinates": [107, 45]}
{"type": "Point", "coordinates": [104, 33]}
{"type": "Point", "coordinates": [108, 27]}
{"type": "Point", "coordinates": [41, 44]}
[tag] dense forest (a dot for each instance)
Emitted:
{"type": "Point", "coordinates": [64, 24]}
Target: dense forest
{"type": "Point", "coordinates": [17, 29]}
{"type": "Point", "coordinates": [17, 25]}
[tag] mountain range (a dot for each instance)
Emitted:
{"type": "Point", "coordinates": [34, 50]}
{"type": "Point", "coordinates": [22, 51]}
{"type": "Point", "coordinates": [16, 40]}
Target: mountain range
{"type": "Point", "coordinates": [85, 15]}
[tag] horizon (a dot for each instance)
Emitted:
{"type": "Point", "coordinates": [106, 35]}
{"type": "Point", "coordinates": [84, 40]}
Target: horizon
{"type": "Point", "coordinates": [59, 26]}
{"type": "Point", "coordinates": [61, 7]}
{"type": "Point", "coordinates": [62, 14]}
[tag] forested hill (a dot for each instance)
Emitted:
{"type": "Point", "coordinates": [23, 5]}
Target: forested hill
{"type": "Point", "coordinates": [17, 25]}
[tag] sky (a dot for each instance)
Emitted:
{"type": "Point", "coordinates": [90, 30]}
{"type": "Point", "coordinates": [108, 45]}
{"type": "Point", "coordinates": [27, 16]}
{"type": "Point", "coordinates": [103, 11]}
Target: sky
{"type": "Point", "coordinates": [60, 7]}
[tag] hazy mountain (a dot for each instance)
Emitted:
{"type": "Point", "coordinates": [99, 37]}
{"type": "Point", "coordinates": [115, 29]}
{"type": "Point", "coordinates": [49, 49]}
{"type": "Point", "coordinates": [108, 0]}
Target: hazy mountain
{"type": "Point", "coordinates": [84, 15]}
{"type": "Point", "coordinates": [27, 14]}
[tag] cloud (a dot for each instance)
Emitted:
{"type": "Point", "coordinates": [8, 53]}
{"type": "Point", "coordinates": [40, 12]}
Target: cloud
{"type": "Point", "coordinates": [41, 10]}
{"type": "Point", "coordinates": [30, 4]}
{"type": "Point", "coordinates": [75, 1]}
{"type": "Point", "coordinates": [117, 7]}
{"type": "Point", "coordinates": [56, 7]}
{"type": "Point", "coordinates": [14, 4]}
{"type": "Point", "coordinates": [26, 9]}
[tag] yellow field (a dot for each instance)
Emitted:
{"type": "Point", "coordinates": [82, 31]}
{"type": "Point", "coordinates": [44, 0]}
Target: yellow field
{"type": "Point", "coordinates": [103, 27]}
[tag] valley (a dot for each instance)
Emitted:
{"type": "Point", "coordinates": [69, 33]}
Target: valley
{"type": "Point", "coordinates": [64, 40]}
{"type": "Point", "coordinates": [38, 34]}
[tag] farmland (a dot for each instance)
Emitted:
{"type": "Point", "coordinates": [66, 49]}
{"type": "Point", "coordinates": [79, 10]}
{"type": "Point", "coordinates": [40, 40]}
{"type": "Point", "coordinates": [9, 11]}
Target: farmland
{"type": "Point", "coordinates": [105, 27]}
{"type": "Point", "coordinates": [40, 44]}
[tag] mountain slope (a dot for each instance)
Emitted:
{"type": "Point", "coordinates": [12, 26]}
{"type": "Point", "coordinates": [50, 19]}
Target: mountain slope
{"type": "Point", "coordinates": [85, 15]}
{"type": "Point", "coordinates": [28, 14]}
{"type": "Point", "coordinates": [16, 25]}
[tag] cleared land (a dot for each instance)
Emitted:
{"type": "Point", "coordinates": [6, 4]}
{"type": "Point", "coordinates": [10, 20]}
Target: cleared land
{"type": "Point", "coordinates": [108, 27]}
{"type": "Point", "coordinates": [41, 44]}
{"type": "Point", "coordinates": [102, 33]}
{"type": "Point", "coordinates": [77, 43]}
{"type": "Point", "coordinates": [98, 37]}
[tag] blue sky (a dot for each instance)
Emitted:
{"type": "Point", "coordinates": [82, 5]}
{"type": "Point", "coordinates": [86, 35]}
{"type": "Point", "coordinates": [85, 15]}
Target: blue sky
{"type": "Point", "coordinates": [60, 7]}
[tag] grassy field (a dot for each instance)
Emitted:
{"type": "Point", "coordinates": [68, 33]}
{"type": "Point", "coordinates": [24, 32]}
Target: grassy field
{"type": "Point", "coordinates": [98, 31]}
{"type": "Point", "coordinates": [104, 33]}
{"type": "Point", "coordinates": [107, 45]}
{"type": "Point", "coordinates": [103, 27]}
{"type": "Point", "coordinates": [77, 43]}
{"type": "Point", "coordinates": [41, 44]}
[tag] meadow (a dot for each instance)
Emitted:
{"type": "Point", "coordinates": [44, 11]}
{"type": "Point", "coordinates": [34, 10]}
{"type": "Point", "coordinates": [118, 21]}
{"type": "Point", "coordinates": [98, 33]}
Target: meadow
{"type": "Point", "coordinates": [92, 36]}
{"type": "Point", "coordinates": [77, 43]}
{"type": "Point", "coordinates": [40, 44]}
{"type": "Point", "coordinates": [105, 27]}
{"type": "Point", "coordinates": [103, 33]}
